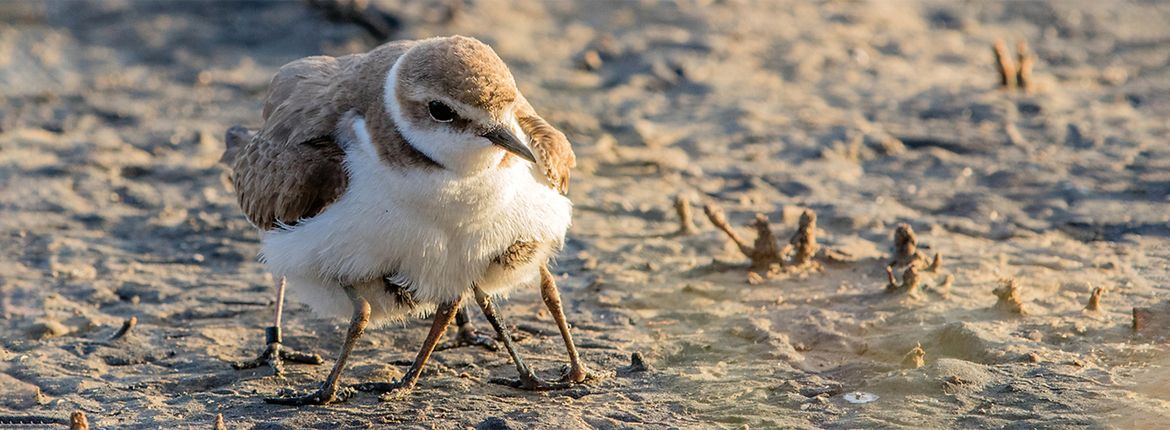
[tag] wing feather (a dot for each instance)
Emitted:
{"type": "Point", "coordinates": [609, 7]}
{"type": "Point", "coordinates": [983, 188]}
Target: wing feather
{"type": "Point", "coordinates": [554, 153]}
{"type": "Point", "coordinates": [293, 168]}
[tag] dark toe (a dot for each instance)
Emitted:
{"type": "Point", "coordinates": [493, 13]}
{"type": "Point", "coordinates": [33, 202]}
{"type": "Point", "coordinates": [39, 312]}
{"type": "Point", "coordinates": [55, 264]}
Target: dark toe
{"type": "Point", "coordinates": [533, 384]}
{"type": "Point", "coordinates": [377, 387]}
{"type": "Point", "coordinates": [315, 398]}
{"type": "Point", "coordinates": [311, 399]}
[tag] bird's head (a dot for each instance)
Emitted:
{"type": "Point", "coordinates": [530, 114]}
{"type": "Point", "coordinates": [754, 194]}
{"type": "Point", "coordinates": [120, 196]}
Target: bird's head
{"type": "Point", "coordinates": [454, 100]}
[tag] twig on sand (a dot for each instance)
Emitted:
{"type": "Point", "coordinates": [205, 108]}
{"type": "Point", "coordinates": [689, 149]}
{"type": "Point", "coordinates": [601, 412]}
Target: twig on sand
{"type": "Point", "coordinates": [1008, 295]}
{"type": "Point", "coordinates": [910, 281]}
{"type": "Point", "coordinates": [804, 241]}
{"type": "Point", "coordinates": [77, 421]}
{"type": "Point", "coordinates": [1004, 65]}
{"type": "Point", "coordinates": [764, 254]}
{"type": "Point", "coordinates": [126, 327]}
{"type": "Point", "coordinates": [906, 251]}
{"type": "Point", "coordinates": [686, 223]}
{"type": "Point", "coordinates": [1095, 300]}
{"type": "Point", "coordinates": [717, 217]}
{"type": "Point", "coordinates": [915, 358]}
{"type": "Point", "coordinates": [799, 255]}
{"type": "Point", "coordinates": [1024, 73]}
{"type": "Point", "coordinates": [935, 264]}
{"type": "Point", "coordinates": [907, 255]}
{"type": "Point", "coordinates": [905, 246]}
{"type": "Point", "coordinates": [766, 245]}
{"type": "Point", "coordinates": [1015, 75]}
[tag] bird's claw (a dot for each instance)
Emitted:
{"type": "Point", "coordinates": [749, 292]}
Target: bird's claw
{"type": "Point", "coordinates": [390, 390]}
{"type": "Point", "coordinates": [531, 383]}
{"type": "Point", "coordinates": [577, 375]}
{"type": "Point", "coordinates": [377, 387]}
{"type": "Point", "coordinates": [274, 356]}
{"type": "Point", "coordinates": [570, 378]}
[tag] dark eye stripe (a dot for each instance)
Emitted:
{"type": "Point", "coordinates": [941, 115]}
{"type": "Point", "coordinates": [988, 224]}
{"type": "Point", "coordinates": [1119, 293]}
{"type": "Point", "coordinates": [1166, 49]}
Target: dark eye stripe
{"type": "Point", "coordinates": [441, 112]}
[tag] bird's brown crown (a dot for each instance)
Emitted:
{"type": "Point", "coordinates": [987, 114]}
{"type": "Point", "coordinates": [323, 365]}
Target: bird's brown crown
{"type": "Point", "coordinates": [462, 68]}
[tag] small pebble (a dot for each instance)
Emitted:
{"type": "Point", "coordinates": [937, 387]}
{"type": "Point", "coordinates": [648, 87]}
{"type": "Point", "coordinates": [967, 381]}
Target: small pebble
{"type": "Point", "coordinates": [591, 60]}
{"type": "Point", "coordinates": [638, 362]}
{"type": "Point", "coordinates": [860, 397]}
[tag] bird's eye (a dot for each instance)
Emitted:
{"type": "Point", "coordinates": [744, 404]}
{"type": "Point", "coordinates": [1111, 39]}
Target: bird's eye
{"type": "Point", "coordinates": [441, 112]}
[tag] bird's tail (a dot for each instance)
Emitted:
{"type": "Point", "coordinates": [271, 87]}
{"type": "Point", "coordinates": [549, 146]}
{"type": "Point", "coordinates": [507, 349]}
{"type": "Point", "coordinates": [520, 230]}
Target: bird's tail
{"type": "Point", "coordinates": [234, 140]}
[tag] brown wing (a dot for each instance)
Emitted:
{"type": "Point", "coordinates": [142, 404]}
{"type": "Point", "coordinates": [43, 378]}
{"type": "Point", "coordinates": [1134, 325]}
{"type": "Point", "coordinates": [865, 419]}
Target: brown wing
{"type": "Point", "coordinates": [292, 168]}
{"type": "Point", "coordinates": [554, 154]}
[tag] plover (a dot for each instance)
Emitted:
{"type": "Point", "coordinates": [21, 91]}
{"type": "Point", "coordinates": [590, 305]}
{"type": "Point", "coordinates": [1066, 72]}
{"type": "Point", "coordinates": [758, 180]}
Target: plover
{"type": "Point", "coordinates": [398, 182]}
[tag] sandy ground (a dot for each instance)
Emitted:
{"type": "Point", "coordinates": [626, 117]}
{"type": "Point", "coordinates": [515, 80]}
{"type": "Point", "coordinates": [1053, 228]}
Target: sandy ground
{"type": "Point", "coordinates": [872, 114]}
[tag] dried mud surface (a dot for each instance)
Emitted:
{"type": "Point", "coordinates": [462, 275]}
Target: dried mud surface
{"type": "Point", "coordinates": [872, 114]}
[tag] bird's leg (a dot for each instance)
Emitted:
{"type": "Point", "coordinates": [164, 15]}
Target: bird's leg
{"type": "Point", "coordinates": [328, 393]}
{"type": "Point", "coordinates": [528, 380]}
{"type": "Point", "coordinates": [552, 299]}
{"type": "Point", "coordinates": [275, 353]}
{"type": "Point", "coordinates": [468, 335]}
{"type": "Point", "coordinates": [443, 317]}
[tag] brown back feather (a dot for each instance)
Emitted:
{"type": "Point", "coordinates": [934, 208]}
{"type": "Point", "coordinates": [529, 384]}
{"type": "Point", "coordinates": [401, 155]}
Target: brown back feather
{"type": "Point", "coordinates": [293, 167]}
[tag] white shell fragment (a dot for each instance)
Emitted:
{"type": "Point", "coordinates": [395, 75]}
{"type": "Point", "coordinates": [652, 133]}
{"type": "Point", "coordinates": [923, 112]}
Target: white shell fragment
{"type": "Point", "coordinates": [860, 397]}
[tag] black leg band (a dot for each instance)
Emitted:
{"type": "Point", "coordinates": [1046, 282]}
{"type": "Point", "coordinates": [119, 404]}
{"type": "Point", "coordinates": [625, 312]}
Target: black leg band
{"type": "Point", "coordinates": [273, 335]}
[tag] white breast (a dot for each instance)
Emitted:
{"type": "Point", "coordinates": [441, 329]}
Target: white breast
{"type": "Point", "coordinates": [436, 232]}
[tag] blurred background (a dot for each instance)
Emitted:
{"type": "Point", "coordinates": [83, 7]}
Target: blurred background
{"type": "Point", "coordinates": [871, 114]}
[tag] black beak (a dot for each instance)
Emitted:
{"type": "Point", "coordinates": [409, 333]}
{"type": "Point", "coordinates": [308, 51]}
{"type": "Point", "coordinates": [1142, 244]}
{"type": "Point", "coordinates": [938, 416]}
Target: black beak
{"type": "Point", "coordinates": [505, 139]}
